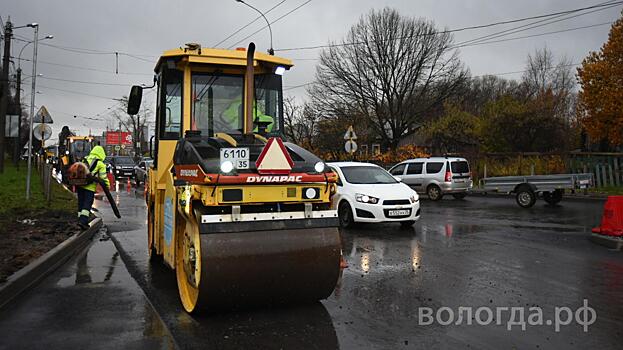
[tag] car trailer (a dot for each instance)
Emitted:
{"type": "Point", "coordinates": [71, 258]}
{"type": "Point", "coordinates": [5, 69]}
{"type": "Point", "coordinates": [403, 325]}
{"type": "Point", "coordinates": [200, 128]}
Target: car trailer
{"type": "Point", "coordinates": [528, 188]}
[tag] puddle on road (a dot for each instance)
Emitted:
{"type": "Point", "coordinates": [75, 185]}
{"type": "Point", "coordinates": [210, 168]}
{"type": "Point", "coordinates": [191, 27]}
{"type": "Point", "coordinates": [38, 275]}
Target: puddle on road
{"type": "Point", "coordinates": [96, 265]}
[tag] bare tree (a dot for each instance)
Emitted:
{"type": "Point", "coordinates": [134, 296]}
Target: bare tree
{"type": "Point", "coordinates": [300, 122]}
{"type": "Point", "coordinates": [390, 69]}
{"type": "Point", "coordinates": [134, 124]}
{"type": "Point", "coordinates": [544, 75]}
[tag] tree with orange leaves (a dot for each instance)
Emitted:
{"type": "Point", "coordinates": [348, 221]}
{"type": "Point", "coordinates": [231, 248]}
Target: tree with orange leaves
{"type": "Point", "coordinates": [600, 105]}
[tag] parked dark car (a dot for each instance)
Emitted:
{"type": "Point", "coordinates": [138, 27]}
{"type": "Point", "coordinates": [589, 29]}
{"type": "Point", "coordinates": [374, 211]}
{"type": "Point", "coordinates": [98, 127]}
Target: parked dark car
{"type": "Point", "coordinates": [141, 170]}
{"type": "Point", "coordinates": [122, 166]}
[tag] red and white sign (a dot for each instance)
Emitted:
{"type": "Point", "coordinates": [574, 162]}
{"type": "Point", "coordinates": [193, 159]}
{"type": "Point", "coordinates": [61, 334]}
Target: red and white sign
{"type": "Point", "coordinates": [118, 138]}
{"type": "Point", "coordinates": [274, 158]}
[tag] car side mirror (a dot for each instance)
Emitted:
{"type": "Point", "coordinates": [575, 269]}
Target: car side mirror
{"type": "Point", "coordinates": [134, 100]}
{"type": "Point", "coordinates": [397, 178]}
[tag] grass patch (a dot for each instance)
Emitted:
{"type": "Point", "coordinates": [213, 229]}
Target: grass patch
{"type": "Point", "coordinates": [13, 192]}
{"type": "Point", "coordinates": [609, 190]}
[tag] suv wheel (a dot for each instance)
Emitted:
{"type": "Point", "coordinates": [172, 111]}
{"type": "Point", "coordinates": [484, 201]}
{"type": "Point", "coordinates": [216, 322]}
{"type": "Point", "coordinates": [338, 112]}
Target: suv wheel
{"type": "Point", "coordinates": [434, 192]}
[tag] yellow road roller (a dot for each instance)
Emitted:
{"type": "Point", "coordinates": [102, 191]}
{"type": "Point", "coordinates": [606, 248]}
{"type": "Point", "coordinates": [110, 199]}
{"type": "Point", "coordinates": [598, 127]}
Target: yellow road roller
{"type": "Point", "coordinates": [242, 216]}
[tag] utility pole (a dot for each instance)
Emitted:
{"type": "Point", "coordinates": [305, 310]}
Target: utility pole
{"type": "Point", "coordinates": [18, 99]}
{"type": "Point", "coordinates": [4, 101]}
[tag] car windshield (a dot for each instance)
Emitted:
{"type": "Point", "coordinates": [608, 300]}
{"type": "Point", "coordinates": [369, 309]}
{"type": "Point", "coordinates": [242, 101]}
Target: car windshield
{"type": "Point", "coordinates": [367, 175]}
{"type": "Point", "coordinates": [124, 161]}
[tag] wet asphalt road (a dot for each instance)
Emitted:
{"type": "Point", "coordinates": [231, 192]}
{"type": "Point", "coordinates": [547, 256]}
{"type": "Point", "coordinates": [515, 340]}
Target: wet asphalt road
{"type": "Point", "coordinates": [471, 253]}
{"type": "Point", "coordinates": [91, 302]}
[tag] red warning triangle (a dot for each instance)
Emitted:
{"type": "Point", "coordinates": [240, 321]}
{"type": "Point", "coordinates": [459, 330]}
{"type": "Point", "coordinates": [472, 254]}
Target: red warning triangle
{"type": "Point", "coordinates": [274, 158]}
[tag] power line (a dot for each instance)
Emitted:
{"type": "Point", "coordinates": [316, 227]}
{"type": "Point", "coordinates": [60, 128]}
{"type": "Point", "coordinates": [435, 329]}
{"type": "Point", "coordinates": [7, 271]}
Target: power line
{"type": "Point", "coordinates": [83, 68]}
{"type": "Point", "coordinates": [79, 93]}
{"type": "Point", "coordinates": [83, 81]}
{"type": "Point", "coordinates": [248, 24]}
{"type": "Point", "coordinates": [275, 21]}
{"type": "Point", "coordinates": [608, 5]}
{"type": "Point", "coordinates": [502, 40]}
{"type": "Point", "coordinates": [533, 25]}
{"type": "Point", "coordinates": [534, 35]}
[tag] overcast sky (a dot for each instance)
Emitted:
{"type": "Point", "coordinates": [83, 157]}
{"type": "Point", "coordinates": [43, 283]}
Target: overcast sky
{"type": "Point", "coordinates": [144, 29]}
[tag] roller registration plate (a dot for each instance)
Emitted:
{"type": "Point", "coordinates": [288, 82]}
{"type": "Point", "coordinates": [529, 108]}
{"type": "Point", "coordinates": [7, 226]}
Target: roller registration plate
{"type": "Point", "coordinates": [238, 156]}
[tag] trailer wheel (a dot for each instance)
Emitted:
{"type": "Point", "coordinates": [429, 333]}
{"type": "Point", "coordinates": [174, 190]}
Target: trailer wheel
{"type": "Point", "coordinates": [525, 197]}
{"type": "Point", "coordinates": [553, 198]}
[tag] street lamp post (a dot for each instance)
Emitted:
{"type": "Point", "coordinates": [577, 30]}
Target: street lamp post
{"type": "Point", "coordinates": [32, 106]}
{"type": "Point", "coordinates": [270, 51]}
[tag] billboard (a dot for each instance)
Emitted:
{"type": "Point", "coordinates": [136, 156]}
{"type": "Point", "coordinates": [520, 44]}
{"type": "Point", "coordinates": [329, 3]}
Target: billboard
{"type": "Point", "coordinates": [12, 126]}
{"type": "Point", "coordinates": [119, 138]}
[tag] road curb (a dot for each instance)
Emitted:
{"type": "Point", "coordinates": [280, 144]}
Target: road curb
{"type": "Point", "coordinates": [28, 276]}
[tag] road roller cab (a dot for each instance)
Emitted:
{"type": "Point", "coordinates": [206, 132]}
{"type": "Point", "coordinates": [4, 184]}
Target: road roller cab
{"type": "Point", "coordinates": [74, 149]}
{"type": "Point", "coordinates": [242, 216]}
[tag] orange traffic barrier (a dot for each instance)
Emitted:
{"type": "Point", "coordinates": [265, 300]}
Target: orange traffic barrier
{"type": "Point", "coordinates": [612, 218]}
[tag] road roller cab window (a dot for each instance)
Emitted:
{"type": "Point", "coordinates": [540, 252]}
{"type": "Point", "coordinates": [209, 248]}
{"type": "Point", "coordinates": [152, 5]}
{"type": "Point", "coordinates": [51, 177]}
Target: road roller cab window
{"type": "Point", "coordinates": [171, 114]}
{"type": "Point", "coordinates": [268, 105]}
{"type": "Point", "coordinates": [217, 105]}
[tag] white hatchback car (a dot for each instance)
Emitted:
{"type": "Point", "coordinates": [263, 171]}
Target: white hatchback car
{"type": "Point", "coordinates": [368, 193]}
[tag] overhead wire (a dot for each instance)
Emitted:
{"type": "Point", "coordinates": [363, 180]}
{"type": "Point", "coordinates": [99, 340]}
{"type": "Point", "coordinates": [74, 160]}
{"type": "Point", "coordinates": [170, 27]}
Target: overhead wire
{"type": "Point", "coordinates": [607, 4]}
{"type": "Point", "coordinates": [538, 24]}
{"type": "Point", "coordinates": [248, 24]}
{"type": "Point", "coordinates": [275, 21]}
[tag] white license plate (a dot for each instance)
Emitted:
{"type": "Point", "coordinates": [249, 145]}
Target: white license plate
{"type": "Point", "coordinates": [459, 181]}
{"type": "Point", "coordinates": [238, 156]}
{"type": "Point", "coordinates": [399, 212]}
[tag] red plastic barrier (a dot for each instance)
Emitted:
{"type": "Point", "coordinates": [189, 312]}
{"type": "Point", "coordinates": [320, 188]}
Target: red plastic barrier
{"type": "Point", "coordinates": [612, 218]}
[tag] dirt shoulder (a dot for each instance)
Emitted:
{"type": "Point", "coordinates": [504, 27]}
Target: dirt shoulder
{"type": "Point", "coordinates": [26, 235]}
{"type": "Point", "coordinates": [29, 229]}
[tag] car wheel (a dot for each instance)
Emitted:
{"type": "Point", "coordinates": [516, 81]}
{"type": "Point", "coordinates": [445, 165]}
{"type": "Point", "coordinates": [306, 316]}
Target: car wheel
{"type": "Point", "coordinates": [525, 197]}
{"type": "Point", "coordinates": [434, 192]}
{"type": "Point", "coordinates": [552, 198]}
{"type": "Point", "coordinates": [459, 195]}
{"type": "Point", "coordinates": [407, 224]}
{"type": "Point", "coordinates": [345, 214]}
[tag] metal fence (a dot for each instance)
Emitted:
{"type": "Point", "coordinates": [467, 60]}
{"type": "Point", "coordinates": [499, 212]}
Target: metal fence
{"type": "Point", "coordinates": [605, 167]}
{"type": "Point", "coordinates": [45, 170]}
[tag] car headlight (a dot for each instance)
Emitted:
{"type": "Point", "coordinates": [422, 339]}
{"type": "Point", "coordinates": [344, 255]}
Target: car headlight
{"type": "Point", "coordinates": [364, 198]}
{"type": "Point", "coordinates": [414, 198]}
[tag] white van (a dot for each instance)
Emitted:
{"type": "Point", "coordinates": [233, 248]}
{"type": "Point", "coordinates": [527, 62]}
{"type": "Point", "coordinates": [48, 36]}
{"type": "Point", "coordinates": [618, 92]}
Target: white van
{"type": "Point", "coordinates": [436, 176]}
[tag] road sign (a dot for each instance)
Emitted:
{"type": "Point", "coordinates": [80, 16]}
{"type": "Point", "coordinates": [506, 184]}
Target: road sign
{"type": "Point", "coordinates": [350, 134]}
{"type": "Point", "coordinates": [42, 132]}
{"type": "Point", "coordinates": [123, 146]}
{"type": "Point", "coordinates": [117, 148]}
{"type": "Point", "coordinates": [43, 116]}
{"type": "Point", "coordinates": [350, 146]}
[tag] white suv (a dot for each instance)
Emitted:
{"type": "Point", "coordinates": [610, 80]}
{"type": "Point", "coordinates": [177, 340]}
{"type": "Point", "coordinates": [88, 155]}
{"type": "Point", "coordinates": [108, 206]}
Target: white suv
{"type": "Point", "coordinates": [368, 193]}
{"type": "Point", "coordinates": [436, 176]}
